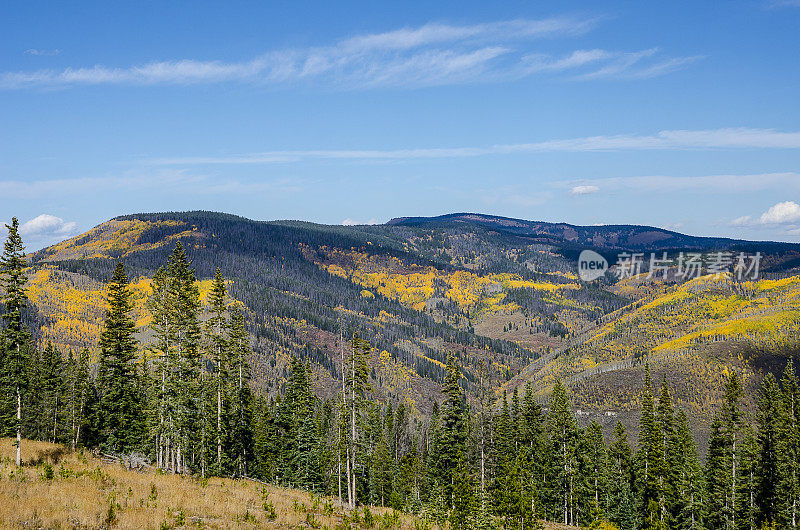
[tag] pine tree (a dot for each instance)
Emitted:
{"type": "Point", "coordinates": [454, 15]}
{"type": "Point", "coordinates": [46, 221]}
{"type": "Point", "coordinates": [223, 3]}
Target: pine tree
{"type": "Point", "coordinates": [723, 459]}
{"type": "Point", "coordinates": [356, 387]}
{"type": "Point", "coordinates": [594, 467]}
{"type": "Point", "coordinates": [717, 464]}
{"type": "Point", "coordinates": [668, 464]}
{"type": "Point", "coordinates": [747, 481]}
{"type": "Point", "coordinates": [52, 389]}
{"type": "Point", "coordinates": [120, 405]}
{"type": "Point", "coordinates": [241, 397]}
{"type": "Point", "coordinates": [620, 496]}
{"type": "Point", "coordinates": [15, 338]}
{"type": "Point", "coordinates": [689, 507]}
{"type": "Point", "coordinates": [769, 419]}
{"type": "Point", "coordinates": [174, 306]}
{"type": "Point", "coordinates": [649, 459]}
{"type": "Point", "coordinates": [788, 485]}
{"type": "Point", "coordinates": [563, 435]}
{"type": "Point", "coordinates": [78, 388]}
{"type": "Point", "coordinates": [217, 352]}
{"type": "Point", "coordinates": [453, 429]}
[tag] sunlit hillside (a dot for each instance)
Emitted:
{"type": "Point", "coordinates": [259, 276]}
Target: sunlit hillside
{"type": "Point", "coordinates": [70, 307]}
{"type": "Point", "coordinates": [117, 238]}
{"type": "Point", "coordinates": [696, 332]}
{"type": "Point", "coordinates": [59, 488]}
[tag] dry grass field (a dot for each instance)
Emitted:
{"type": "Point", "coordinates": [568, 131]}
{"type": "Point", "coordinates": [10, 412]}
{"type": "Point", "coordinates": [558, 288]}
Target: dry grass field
{"type": "Point", "coordinates": [57, 488]}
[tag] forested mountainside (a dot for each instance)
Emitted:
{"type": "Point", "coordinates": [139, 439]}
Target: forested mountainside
{"type": "Point", "coordinates": [317, 358]}
{"type": "Point", "coordinates": [502, 294]}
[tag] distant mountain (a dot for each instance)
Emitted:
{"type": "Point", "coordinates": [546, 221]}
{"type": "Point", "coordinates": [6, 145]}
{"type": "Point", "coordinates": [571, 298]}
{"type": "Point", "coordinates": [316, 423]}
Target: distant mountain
{"type": "Point", "coordinates": [605, 237]}
{"type": "Point", "coordinates": [498, 292]}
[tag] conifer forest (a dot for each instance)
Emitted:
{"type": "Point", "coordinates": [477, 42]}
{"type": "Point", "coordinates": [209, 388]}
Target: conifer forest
{"type": "Point", "coordinates": [178, 394]}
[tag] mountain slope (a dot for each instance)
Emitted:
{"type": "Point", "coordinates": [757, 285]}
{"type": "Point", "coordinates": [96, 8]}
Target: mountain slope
{"type": "Point", "coordinates": [499, 293]}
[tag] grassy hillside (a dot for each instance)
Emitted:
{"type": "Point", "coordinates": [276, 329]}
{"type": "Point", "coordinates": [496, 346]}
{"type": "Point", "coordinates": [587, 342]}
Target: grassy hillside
{"type": "Point", "coordinates": [59, 488]}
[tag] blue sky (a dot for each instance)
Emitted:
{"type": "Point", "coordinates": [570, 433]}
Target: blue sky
{"type": "Point", "coordinates": [684, 115]}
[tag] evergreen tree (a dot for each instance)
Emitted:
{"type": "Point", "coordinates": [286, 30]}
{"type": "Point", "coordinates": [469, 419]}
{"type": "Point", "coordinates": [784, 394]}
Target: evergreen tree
{"type": "Point", "coordinates": [462, 516]}
{"type": "Point", "coordinates": [769, 426]}
{"type": "Point", "coordinates": [747, 515]}
{"type": "Point", "coordinates": [593, 468]}
{"type": "Point", "coordinates": [650, 460]}
{"type": "Point", "coordinates": [15, 337]}
{"type": "Point", "coordinates": [669, 457]}
{"type": "Point", "coordinates": [788, 484]}
{"type": "Point", "coordinates": [620, 496]}
{"type": "Point", "coordinates": [723, 459]}
{"type": "Point", "coordinates": [241, 435]}
{"type": "Point", "coordinates": [563, 434]}
{"type": "Point", "coordinates": [51, 385]}
{"type": "Point", "coordinates": [217, 351]}
{"type": "Point", "coordinates": [120, 406]}
{"type": "Point", "coordinates": [355, 391]}
{"type": "Point", "coordinates": [689, 506]}
{"type": "Point", "coordinates": [453, 429]}
{"type": "Point", "coordinates": [174, 306]}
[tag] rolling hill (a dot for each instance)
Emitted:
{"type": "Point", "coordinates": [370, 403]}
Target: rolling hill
{"type": "Point", "coordinates": [500, 293]}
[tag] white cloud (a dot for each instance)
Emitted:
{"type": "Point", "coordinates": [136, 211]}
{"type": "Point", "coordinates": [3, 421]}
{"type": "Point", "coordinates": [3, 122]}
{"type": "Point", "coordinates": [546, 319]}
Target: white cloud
{"type": "Point", "coordinates": [704, 183]}
{"type": "Point", "coordinates": [429, 55]}
{"type": "Point", "coordinates": [46, 225]}
{"type": "Point", "coordinates": [741, 221]}
{"type": "Point", "coordinates": [781, 213]}
{"type": "Point", "coordinates": [583, 190]}
{"type": "Point", "coordinates": [43, 53]}
{"type": "Point", "coordinates": [352, 222]}
{"type": "Point", "coordinates": [136, 181]}
{"type": "Point", "coordinates": [670, 140]}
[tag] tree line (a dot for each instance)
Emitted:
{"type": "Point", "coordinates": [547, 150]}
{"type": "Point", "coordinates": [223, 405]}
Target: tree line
{"type": "Point", "coordinates": [184, 402]}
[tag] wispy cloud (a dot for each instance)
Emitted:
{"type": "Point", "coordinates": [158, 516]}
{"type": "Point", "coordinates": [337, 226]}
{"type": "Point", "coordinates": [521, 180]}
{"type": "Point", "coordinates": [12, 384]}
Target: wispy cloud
{"type": "Point", "coordinates": [137, 182]}
{"type": "Point", "coordinates": [429, 55]}
{"type": "Point", "coordinates": [353, 222]}
{"type": "Point", "coordinates": [734, 138]}
{"type": "Point", "coordinates": [583, 190]}
{"type": "Point", "coordinates": [42, 53]}
{"type": "Point", "coordinates": [703, 184]}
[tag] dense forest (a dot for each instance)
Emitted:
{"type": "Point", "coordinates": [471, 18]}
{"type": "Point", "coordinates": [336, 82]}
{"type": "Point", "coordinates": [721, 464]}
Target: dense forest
{"type": "Point", "coordinates": [184, 402]}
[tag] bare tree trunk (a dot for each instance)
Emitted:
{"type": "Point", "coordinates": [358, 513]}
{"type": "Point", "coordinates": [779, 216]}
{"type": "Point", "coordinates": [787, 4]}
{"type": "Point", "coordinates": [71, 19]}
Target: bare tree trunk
{"type": "Point", "coordinates": [219, 425]}
{"type": "Point", "coordinates": [353, 420]}
{"type": "Point", "coordinates": [19, 424]}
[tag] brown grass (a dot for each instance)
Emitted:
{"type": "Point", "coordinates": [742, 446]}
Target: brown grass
{"type": "Point", "coordinates": [85, 492]}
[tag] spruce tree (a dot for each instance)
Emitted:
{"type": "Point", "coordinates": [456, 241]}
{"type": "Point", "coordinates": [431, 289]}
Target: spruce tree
{"type": "Point", "coordinates": [15, 337]}
{"type": "Point", "coordinates": [668, 460]}
{"type": "Point", "coordinates": [563, 434]}
{"type": "Point", "coordinates": [453, 428]}
{"type": "Point", "coordinates": [649, 459]}
{"type": "Point", "coordinates": [747, 481]}
{"type": "Point", "coordinates": [620, 505]}
{"type": "Point", "coordinates": [690, 496]}
{"type": "Point", "coordinates": [769, 426]}
{"type": "Point", "coordinates": [788, 484]}
{"type": "Point", "coordinates": [51, 390]}
{"type": "Point", "coordinates": [217, 352]}
{"type": "Point", "coordinates": [241, 396]}
{"type": "Point", "coordinates": [120, 405]}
